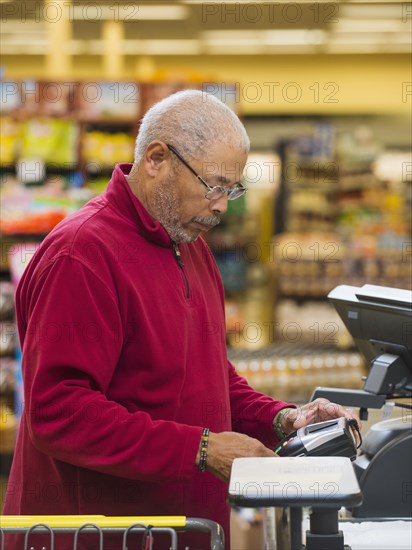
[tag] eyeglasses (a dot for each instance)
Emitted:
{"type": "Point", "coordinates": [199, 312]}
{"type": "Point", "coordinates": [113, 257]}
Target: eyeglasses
{"type": "Point", "coordinates": [216, 191]}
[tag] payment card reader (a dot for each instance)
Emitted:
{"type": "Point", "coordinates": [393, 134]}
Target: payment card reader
{"type": "Point", "coordinates": [330, 438]}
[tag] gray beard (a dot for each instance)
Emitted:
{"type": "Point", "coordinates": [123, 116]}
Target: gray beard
{"type": "Point", "coordinates": [166, 204]}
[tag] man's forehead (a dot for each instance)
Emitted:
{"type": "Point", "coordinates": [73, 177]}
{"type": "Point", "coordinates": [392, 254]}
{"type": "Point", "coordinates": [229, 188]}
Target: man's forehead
{"type": "Point", "coordinates": [223, 172]}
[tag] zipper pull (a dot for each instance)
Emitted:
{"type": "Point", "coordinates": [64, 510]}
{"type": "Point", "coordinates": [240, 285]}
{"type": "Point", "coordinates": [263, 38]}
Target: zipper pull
{"type": "Point", "coordinates": [177, 254]}
{"type": "Point", "coordinates": [181, 266]}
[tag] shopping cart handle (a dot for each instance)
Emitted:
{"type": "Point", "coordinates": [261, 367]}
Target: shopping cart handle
{"type": "Point", "coordinates": [7, 522]}
{"type": "Point", "coordinates": [66, 524]}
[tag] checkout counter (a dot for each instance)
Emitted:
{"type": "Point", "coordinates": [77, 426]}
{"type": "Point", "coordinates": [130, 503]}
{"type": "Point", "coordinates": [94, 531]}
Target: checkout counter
{"type": "Point", "coordinates": [321, 467]}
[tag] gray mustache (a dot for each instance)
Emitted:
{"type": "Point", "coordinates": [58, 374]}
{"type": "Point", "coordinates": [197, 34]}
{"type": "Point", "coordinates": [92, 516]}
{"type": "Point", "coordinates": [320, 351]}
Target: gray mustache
{"type": "Point", "coordinates": [211, 220]}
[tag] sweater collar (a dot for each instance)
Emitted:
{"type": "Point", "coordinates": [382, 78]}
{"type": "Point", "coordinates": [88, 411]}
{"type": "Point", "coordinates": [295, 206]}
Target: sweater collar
{"type": "Point", "coordinates": [118, 192]}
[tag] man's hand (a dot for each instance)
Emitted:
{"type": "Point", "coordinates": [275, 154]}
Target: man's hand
{"type": "Point", "coordinates": [224, 447]}
{"type": "Point", "coordinates": [317, 411]}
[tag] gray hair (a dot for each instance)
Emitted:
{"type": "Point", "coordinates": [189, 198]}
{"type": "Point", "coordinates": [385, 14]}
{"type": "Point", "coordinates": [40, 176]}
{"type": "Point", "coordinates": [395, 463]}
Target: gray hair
{"type": "Point", "coordinates": [192, 121]}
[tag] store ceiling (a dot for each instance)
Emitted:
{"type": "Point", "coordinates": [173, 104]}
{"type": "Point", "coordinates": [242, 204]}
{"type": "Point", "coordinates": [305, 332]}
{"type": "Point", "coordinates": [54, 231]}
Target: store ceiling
{"type": "Point", "coordinates": [192, 27]}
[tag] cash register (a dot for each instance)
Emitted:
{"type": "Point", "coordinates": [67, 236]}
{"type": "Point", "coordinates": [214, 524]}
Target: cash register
{"type": "Point", "coordinates": [380, 321]}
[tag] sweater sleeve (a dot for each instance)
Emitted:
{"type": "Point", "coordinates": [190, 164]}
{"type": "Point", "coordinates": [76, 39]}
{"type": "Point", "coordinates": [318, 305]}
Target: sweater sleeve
{"type": "Point", "coordinates": [72, 340]}
{"type": "Point", "coordinates": [253, 412]}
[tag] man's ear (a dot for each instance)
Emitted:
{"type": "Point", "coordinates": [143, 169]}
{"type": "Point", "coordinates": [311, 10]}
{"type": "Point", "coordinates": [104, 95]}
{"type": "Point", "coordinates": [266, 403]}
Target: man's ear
{"type": "Point", "coordinates": [156, 158]}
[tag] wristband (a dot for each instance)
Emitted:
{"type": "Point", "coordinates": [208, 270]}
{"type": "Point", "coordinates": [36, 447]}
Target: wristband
{"type": "Point", "coordinates": [277, 423]}
{"type": "Point", "coordinates": [203, 450]}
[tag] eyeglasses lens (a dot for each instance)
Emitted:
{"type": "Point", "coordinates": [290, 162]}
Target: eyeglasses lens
{"type": "Point", "coordinates": [233, 194]}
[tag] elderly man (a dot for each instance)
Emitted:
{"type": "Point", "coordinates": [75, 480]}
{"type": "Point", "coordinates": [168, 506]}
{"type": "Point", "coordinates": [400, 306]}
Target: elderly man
{"type": "Point", "coordinates": [131, 405]}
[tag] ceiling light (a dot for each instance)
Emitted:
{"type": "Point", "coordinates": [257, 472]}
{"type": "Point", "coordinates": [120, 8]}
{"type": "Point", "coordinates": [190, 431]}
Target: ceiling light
{"type": "Point", "coordinates": [290, 49]}
{"type": "Point", "coordinates": [77, 47]}
{"type": "Point", "coordinates": [94, 47]}
{"type": "Point", "coordinates": [399, 38]}
{"type": "Point", "coordinates": [233, 49]}
{"type": "Point", "coordinates": [235, 42]}
{"type": "Point", "coordinates": [344, 48]}
{"type": "Point", "coordinates": [244, 38]}
{"type": "Point", "coordinates": [355, 38]}
{"type": "Point", "coordinates": [29, 26]}
{"type": "Point", "coordinates": [219, 4]}
{"type": "Point", "coordinates": [295, 36]}
{"type": "Point", "coordinates": [367, 11]}
{"type": "Point", "coordinates": [138, 47]}
{"type": "Point", "coordinates": [169, 47]}
{"type": "Point", "coordinates": [128, 12]}
{"type": "Point", "coordinates": [370, 43]}
{"type": "Point", "coordinates": [231, 34]}
{"type": "Point", "coordinates": [372, 25]}
{"type": "Point", "coordinates": [20, 39]}
{"type": "Point", "coordinates": [368, 2]}
{"type": "Point", "coordinates": [23, 49]}
{"type": "Point", "coordinates": [396, 48]}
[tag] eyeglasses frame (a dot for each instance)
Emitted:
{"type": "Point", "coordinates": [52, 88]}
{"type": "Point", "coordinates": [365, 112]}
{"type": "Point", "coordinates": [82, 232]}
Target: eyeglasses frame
{"type": "Point", "coordinates": [221, 188]}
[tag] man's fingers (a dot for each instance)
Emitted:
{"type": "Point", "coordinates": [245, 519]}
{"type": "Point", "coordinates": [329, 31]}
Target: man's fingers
{"type": "Point", "coordinates": [305, 417]}
{"type": "Point", "coordinates": [320, 410]}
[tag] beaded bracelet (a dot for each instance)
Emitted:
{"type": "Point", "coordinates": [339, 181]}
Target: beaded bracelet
{"type": "Point", "coordinates": [203, 450]}
{"type": "Point", "coordinates": [277, 422]}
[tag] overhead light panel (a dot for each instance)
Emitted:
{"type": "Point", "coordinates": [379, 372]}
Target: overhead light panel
{"type": "Point", "coordinates": [231, 34]}
{"type": "Point", "coordinates": [138, 47]}
{"type": "Point", "coordinates": [371, 25]}
{"type": "Point", "coordinates": [22, 49]}
{"type": "Point", "coordinates": [245, 38]}
{"type": "Point", "coordinates": [367, 2]}
{"type": "Point", "coordinates": [29, 27]}
{"type": "Point", "coordinates": [355, 38]}
{"type": "Point", "coordinates": [386, 10]}
{"type": "Point", "coordinates": [397, 48]}
{"type": "Point", "coordinates": [19, 39]}
{"type": "Point", "coordinates": [128, 12]}
{"type": "Point", "coordinates": [233, 49]}
{"type": "Point", "coordinates": [161, 47]}
{"type": "Point", "coordinates": [221, 5]}
{"type": "Point", "coordinates": [218, 4]}
{"type": "Point", "coordinates": [352, 48]}
{"type": "Point", "coordinates": [290, 49]}
{"type": "Point", "coordinates": [294, 36]}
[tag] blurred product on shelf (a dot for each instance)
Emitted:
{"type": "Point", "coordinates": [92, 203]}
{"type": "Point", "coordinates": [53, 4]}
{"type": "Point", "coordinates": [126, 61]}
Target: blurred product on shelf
{"type": "Point", "coordinates": [7, 375]}
{"type": "Point", "coordinates": [8, 336]}
{"type": "Point", "coordinates": [168, 82]}
{"type": "Point", "coordinates": [163, 87]}
{"type": "Point", "coordinates": [8, 427]}
{"type": "Point", "coordinates": [108, 100]}
{"type": "Point", "coordinates": [35, 210]}
{"type": "Point", "coordinates": [310, 265]}
{"type": "Point", "coordinates": [19, 255]}
{"type": "Point", "coordinates": [8, 372]}
{"type": "Point", "coordinates": [40, 223]}
{"type": "Point", "coordinates": [361, 233]}
{"type": "Point", "coordinates": [8, 341]}
{"type": "Point", "coordinates": [310, 322]}
{"type": "Point", "coordinates": [105, 149]}
{"type": "Point", "coordinates": [51, 140]}
{"type": "Point", "coordinates": [292, 371]}
{"type": "Point", "coordinates": [9, 135]}
{"type": "Point", "coordinates": [358, 149]}
{"type": "Point", "coordinates": [247, 529]}
{"type": "Point", "coordinates": [6, 300]}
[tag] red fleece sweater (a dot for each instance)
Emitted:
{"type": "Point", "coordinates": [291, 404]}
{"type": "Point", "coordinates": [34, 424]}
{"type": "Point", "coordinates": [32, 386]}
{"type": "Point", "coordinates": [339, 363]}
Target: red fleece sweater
{"type": "Point", "coordinates": [124, 362]}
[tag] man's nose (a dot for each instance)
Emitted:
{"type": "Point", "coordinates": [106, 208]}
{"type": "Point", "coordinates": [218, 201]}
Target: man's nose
{"type": "Point", "coordinates": [219, 205]}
